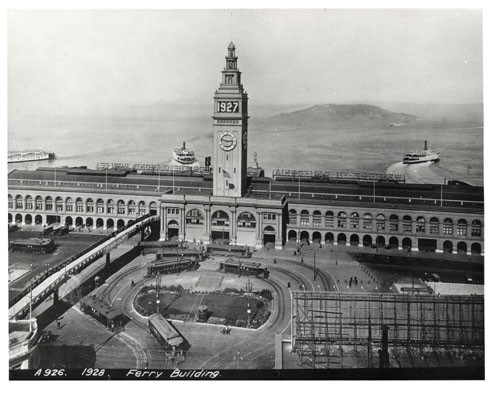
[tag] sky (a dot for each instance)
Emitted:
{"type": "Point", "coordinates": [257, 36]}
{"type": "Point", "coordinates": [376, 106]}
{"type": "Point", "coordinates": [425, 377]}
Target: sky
{"type": "Point", "coordinates": [79, 61]}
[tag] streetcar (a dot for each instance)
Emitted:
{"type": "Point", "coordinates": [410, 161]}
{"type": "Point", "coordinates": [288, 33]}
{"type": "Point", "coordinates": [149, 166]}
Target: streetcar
{"type": "Point", "coordinates": [228, 250]}
{"type": "Point", "coordinates": [164, 332]}
{"type": "Point", "coordinates": [243, 268]}
{"type": "Point", "coordinates": [171, 266]}
{"type": "Point", "coordinates": [102, 312]}
{"type": "Point", "coordinates": [33, 245]}
{"type": "Point", "coordinates": [197, 254]}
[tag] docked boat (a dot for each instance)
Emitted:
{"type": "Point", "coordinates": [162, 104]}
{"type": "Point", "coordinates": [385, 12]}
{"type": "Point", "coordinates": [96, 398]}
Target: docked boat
{"type": "Point", "coordinates": [421, 156]}
{"type": "Point", "coordinates": [183, 156]}
{"type": "Point", "coordinates": [29, 155]}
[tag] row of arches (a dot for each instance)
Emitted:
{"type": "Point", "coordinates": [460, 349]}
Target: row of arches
{"type": "Point", "coordinates": [380, 241]}
{"type": "Point", "coordinates": [89, 205]}
{"type": "Point", "coordinates": [446, 227]}
{"type": "Point", "coordinates": [29, 219]}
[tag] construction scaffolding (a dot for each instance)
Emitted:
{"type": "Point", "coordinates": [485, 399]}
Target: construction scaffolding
{"type": "Point", "coordinates": [344, 330]}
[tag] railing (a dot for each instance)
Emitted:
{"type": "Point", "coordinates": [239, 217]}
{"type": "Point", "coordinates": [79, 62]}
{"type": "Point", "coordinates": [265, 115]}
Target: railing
{"type": "Point", "coordinates": [37, 280]}
{"type": "Point", "coordinates": [358, 176]}
{"type": "Point", "coordinates": [375, 199]}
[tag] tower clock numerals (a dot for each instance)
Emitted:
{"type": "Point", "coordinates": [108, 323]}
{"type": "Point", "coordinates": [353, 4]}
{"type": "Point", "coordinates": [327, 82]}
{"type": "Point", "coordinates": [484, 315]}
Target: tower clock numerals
{"type": "Point", "coordinates": [228, 106]}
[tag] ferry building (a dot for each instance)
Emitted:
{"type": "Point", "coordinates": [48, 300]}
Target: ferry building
{"type": "Point", "coordinates": [239, 205]}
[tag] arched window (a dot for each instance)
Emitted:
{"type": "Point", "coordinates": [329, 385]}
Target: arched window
{"type": "Point", "coordinates": [121, 207]}
{"type": "Point", "coordinates": [142, 209]}
{"type": "Point", "coordinates": [59, 204]}
{"type": "Point", "coordinates": [49, 203]}
{"type": "Point", "coordinates": [11, 201]}
{"type": "Point", "coordinates": [304, 218]}
{"type": "Point", "coordinates": [132, 208]}
{"type": "Point", "coordinates": [341, 219]}
{"type": "Point", "coordinates": [380, 222]}
{"type": "Point", "coordinates": [316, 218]}
{"type": "Point", "coordinates": [29, 203]}
{"type": "Point", "coordinates": [354, 220]}
{"type": "Point", "coordinates": [79, 205]}
{"type": "Point", "coordinates": [220, 218]}
{"type": "Point", "coordinates": [434, 225]}
{"type": "Point", "coordinates": [110, 206]}
{"type": "Point", "coordinates": [100, 206]}
{"type": "Point", "coordinates": [194, 217]}
{"type": "Point", "coordinates": [153, 208]}
{"type": "Point", "coordinates": [39, 203]}
{"type": "Point", "coordinates": [90, 205]}
{"type": "Point", "coordinates": [420, 224]}
{"type": "Point", "coordinates": [367, 221]}
{"type": "Point", "coordinates": [448, 226]}
{"type": "Point", "coordinates": [476, 228]}
{"type": "Point", "coordinates": [394, 223]}
{"type": "Point", "coordinates": [462, 227]}
{"type": "Point", "coordinates": [292, 217]}
{"type": "Point", "coordinates": [19, 202]}
{"type": "Point", "coordinates": [407, 223]}
{"type": "Point", "coordinates": [246, 220]}
{"type": "Point", "coordinates": [69, 204]}
{"type": "Point", "coordinates": [329, 219]}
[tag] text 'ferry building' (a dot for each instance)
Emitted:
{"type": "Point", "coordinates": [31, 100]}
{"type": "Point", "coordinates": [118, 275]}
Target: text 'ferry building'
{"type": "Point", "coordinates": [237, 204]}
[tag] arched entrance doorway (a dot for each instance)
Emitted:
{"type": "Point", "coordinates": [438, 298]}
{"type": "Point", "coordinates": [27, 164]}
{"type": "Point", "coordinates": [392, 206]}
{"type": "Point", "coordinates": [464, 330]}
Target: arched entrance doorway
{"type": "Point", "coordinates": [476, 249]}
{"type": "Point", "coordinates": [342, 239]}
{"type": "Point", "coordinates": [110, 223]}
{"type": "Point", "coordinates": [354, 240]}
{"type": "Point", "coordinates": [394, 242]}
{"type": "Point", "coordinates": [99, 223]}
{"type": "Point", "coordinates": [18, 219]}
{"type": "Point", "coordinates": [367, 241]}
{"type": "Point", "coordinates": [79, 221]}
{"type": "Point", "coordinates": [173, 230]}
{"type": "Point", "coordinates": [38, 220]}
{"type": "Point", "coordinates": [316, 237]}
{"type": "Point", "coordinates": [220, 227]}
{"type": "Point", "coordinates": [10, 218]}
{"type": "Point", "coordinates": [304, 237]}
{"type": "Point", "coordinates": [89, 222]}
{"type": "Point", "coordinates": [407, 244]}
{"type": "Point", "coordinates": [269, 237]}
{"type": "Point", "coordinates": [380, 241]}
{"type": "Point", "coordinates": [329, 237]}
{"type": "Point", "coordinates": [292, 236]}
{"type": "Point", "coordinates": [462, 248]}
{"type": "Point", "coordinates": [447, 246]}
{"type": "Point", "coordinates": [120, 223]}
{"type": "Point", "coordinates": [68, 221]}
{"type": "Point", "coordinates": [28, 219]}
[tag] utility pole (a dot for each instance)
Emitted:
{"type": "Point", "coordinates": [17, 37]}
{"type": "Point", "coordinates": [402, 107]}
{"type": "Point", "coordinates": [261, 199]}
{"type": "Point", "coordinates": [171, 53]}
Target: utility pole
{"type": "Point", "coordinates": [374, 191]}
{"type": "Point", "coordinates": [158, 279]}
{"type": "Point", "coordinates": [249, 290]}
{"type": "Point", "coordinates": [315, 268]}
{"type": "Point", "coordinates": [30, 305]}
{"type": "Point", "coordinates": [298, 187]}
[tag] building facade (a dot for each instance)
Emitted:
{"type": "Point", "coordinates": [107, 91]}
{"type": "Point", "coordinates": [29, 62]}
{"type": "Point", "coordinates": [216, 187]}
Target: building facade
{"type": "Point", "coordinates": [248, 210]}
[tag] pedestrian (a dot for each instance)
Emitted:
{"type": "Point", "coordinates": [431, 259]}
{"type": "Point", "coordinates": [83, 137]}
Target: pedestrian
{"type": "Point", "coordinates": [301, 259]}
{"type": "Point", "coordinates": [58, 323]}
{"type": "Point", "coordinates": [288, 285]}
{"type": "Point", "coordinates": [132, 284]}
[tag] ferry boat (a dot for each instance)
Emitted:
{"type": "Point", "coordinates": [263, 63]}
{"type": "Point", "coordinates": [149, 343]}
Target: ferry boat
{"type": "Point", "coordinates": [421, 156]}
{"type": "Point", "coordinates": [183, 156]}
{"type": "Point", "coordinates": [29, 155]}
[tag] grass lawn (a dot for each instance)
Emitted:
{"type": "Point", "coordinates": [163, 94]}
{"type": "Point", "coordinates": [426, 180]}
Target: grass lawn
{"type": "Point", "coordinates": [226, 306]}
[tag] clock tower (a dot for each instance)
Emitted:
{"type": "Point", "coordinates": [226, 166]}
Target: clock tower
{"type": "Point", "coordinates": [230, 132]}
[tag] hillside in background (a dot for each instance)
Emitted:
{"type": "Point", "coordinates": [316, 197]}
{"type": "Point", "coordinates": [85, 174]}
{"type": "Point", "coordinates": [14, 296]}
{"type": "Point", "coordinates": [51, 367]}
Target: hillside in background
{"type": "Point", "coordinates": [344, 115]}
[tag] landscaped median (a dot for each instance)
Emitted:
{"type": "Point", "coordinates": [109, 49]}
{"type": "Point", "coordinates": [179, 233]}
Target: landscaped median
{"type": "Point", "coordinates": [223, 307]}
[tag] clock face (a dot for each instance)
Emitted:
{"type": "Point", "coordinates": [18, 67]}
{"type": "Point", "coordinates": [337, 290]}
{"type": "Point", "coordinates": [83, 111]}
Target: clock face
{"type": "Point", "coordinates": [227, 141]}
{"type": "Point", "coordinates": [244, 140]}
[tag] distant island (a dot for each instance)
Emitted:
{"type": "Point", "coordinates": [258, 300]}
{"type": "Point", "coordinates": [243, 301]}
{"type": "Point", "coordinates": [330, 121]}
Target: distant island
{"type": "Point", "coordinates": [329, 114]}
